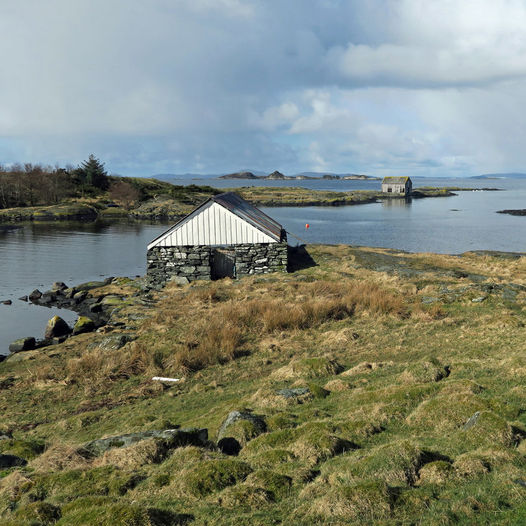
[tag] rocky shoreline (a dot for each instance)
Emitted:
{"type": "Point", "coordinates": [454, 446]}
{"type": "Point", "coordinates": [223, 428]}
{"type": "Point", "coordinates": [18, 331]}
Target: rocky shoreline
{"type": "Point", "coordinates": [91, 301]}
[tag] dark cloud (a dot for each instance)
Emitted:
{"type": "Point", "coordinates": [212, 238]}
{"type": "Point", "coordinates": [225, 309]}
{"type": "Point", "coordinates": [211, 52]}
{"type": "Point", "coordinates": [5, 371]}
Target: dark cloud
{"type": "Point", "coordinates": [213, 85]}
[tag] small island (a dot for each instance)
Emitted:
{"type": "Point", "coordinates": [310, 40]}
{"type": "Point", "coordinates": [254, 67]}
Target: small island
{"type": "Point", "coordinates": [518, 212]}
{"type": "Point", "coordinates": [276, 175]}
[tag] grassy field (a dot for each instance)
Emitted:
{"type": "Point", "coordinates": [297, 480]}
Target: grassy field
{"type": "Point", "coordinates": [391, 387]}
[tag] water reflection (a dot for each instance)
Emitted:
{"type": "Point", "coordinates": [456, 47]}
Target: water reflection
{"type": "Point", "coordinates": [402, 202]}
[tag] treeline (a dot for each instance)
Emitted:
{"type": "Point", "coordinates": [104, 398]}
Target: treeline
{"type": "Point", "coordinates": [35, 184]}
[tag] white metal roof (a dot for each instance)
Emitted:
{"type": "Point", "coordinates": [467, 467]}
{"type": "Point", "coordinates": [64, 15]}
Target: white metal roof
{"type": "Point", "coordinates": [225, 219]}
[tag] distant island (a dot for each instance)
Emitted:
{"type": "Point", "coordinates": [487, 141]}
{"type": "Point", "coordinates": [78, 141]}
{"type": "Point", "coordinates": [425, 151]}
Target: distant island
{"type": "Point", "coordinates": [299, 177]}
{"type": "Point", "coordinates": [510, 175]}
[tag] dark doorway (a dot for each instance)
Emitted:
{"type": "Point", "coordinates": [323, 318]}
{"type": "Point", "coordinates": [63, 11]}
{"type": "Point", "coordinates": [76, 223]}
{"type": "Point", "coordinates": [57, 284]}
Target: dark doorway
{"type": "Point", "coordinates": [223, 264]}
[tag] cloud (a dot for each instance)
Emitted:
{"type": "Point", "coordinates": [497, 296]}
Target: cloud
{"type": "Point", "coordinates": [218, 85]}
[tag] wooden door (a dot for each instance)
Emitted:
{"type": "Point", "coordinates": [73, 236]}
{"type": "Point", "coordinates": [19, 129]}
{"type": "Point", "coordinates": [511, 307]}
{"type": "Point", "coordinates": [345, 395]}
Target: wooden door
{"type": "Point", "coordinates": [223, 264]}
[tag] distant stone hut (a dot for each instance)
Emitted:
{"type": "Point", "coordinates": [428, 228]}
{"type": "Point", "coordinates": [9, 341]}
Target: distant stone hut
{"type": "Point", "coordinates": [397, 185]}
{"type": "Point", "coordinates": [224, 237]}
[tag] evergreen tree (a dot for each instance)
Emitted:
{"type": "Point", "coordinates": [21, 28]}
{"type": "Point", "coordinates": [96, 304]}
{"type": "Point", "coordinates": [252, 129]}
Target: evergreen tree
{"type": "Point", "coordinates": [92, 173]}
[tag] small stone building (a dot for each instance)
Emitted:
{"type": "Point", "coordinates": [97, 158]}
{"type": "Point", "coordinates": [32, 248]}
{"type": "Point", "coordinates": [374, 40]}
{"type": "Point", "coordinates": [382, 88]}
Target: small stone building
{"type": "Point", "coordinates": [224, 237]}
{"type": "Point", "coordinates": [397, 185]}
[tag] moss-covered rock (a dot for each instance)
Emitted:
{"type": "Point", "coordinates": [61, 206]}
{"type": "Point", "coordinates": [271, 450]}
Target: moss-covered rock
{"type": "Point", "coordinates": [83, 324]}
{"type": "Point", "coordinates": [56, 327]}
{"type": "Point", "coordinates": [242, 426]}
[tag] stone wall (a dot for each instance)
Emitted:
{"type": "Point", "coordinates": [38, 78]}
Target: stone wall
{"type": "Point", "coordinates": [164, 263]}
{"type": "Point", "coordinates": [261, 258]}
{"type": "Point", "coordinates": [195, 262]}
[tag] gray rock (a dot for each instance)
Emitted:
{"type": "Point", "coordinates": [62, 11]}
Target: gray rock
{"type": "Point", "coordinates": [479, 299]}
{"type": "Point", "coordinates": [7, 302]}
{"type": "Point", "coordinates": [10, 461]}
{"type": "Point", "coordinates": [428, 300]}
{"type": "Point", "coordinates": [180, 280]}
{"type": "Point", "coordinates": [23, 344]}
{"type": "Point", "coordinates": [35, 295]}
{"type": "Point", "coordinates": [115, 341]}
{"type": "Point", "coordinates": [23, 298]}
{"type": "Point", "coordinates": [234, 416]}
{"type": "Point", "coordinates": [472, 420]}
{"type": "Point", "coordinates": [293, 393]}
{"type": "Point", "coordinates": [56, 327]}
{"type": "Point", "coordinates": [171, 438]}
{"type": "Point", "coordinates": [58, 285]}
{"type": "Point", "coordinates": [48, 297]}
{"type": "Point", "coordinates": [80, 296]}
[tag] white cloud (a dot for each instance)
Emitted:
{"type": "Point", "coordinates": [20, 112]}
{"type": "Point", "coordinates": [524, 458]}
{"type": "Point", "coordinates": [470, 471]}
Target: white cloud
{"type": "Point", "coordinates": [216, 85]}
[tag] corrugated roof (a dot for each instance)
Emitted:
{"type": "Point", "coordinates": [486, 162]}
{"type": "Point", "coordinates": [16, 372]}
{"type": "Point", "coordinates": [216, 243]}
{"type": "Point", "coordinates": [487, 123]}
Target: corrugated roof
{"type": "Point", "coordinates": [249, 213]}
{"type": "Point", "coordinates": [395, 180]}
{"type": "Point", "coordinates": [244, 210]}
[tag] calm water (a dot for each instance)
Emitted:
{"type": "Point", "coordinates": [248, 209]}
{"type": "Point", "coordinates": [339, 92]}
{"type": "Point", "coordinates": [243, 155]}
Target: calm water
{"type": "Point", "coordinates": [35, 256]}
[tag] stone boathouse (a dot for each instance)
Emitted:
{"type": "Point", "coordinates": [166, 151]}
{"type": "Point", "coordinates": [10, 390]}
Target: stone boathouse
{"type": "Point", "coordinates": [224, 237]}
{"type": "Point", "coordinates": [397, 185]}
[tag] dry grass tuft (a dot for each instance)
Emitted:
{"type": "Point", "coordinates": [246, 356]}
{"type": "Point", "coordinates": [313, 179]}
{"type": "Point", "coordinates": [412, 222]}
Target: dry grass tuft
{"type": "Point", "coordinates": [59, 457]}
{"type": "Point", "coordinates": [149, 451]}
{"type": "Point", "coordinates": [367, 502]}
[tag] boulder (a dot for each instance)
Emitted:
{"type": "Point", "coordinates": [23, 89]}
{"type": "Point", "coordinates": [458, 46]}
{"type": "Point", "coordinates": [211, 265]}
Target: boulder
{"type": "Point", "coordinates": [112, 300]}
{"type": "Point", "coordinates": [80, 296]}
{"type": "Point", "coordinates": [9, 461]}
{"type": "Point", "coordinates": [242, 426]}
{"type": "Point", "coordinates": [172, 438]}
{"type": "Point", "coordinates": [48, 297]}
{"type": "Point", "coordinates": [23, 298]}
{"type": "Point", "coordinates": [115, 341]}
{"type": "Point", "coordinates": [7, 302]}
{"type": "Point", "coordinates": [295, 392]}
{"type": "Point", "coordinates": [23, 344]}
{"type": "Point", "coordinates": [58, 286]}
{"type": "Point", "coordinates": [56, 327]}
{"type": "Point", "coordinates": [35, 295]}
{"type": "Point", "coordinates": [83, 324]}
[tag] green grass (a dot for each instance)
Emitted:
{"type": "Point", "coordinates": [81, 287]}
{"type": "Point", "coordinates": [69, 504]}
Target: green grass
{"type": "Point", "coordinates": [381, 437]}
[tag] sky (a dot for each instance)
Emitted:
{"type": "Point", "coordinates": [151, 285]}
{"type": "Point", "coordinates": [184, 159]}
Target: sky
{"type": "Point", "coordinates": [381, 87]}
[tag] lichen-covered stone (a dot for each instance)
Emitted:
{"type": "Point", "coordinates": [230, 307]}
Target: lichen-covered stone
{"type": "Point", "coordinates": [83, 324]}
{"type": "Point", "coordinates": [56, 327]}
{"type": "Point", "coordinates": [173, 438]}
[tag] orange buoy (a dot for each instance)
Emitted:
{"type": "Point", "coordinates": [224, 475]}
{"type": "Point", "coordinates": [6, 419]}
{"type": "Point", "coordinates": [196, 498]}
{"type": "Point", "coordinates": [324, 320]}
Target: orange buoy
{"type": "Point", "coordinates": [307, 225]}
